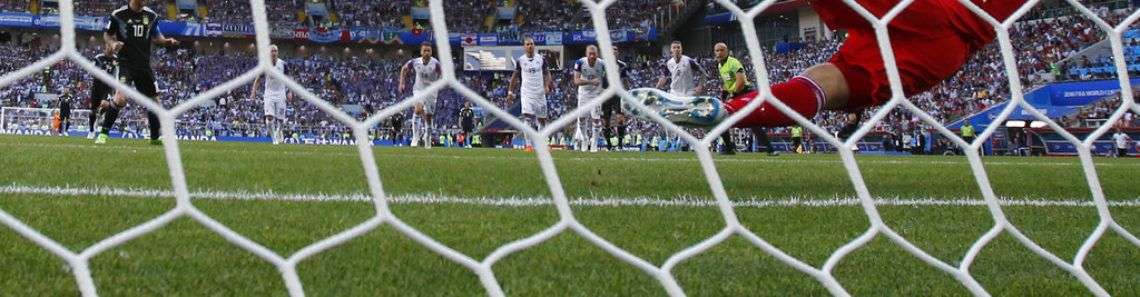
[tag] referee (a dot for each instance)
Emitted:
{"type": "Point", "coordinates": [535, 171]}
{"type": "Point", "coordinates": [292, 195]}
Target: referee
{"type": "Point", "coordinates": [736, 83]}
{"type": "Point", "coordinates": [612, 106]}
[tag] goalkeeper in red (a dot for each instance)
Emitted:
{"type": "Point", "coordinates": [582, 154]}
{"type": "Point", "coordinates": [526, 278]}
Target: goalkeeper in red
{"type": "Point", "coordinates": [931, 39]}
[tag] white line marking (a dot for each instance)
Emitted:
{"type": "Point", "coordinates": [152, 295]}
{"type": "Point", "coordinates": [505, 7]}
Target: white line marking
{"type": "Point", "coordinates": [542, 201]}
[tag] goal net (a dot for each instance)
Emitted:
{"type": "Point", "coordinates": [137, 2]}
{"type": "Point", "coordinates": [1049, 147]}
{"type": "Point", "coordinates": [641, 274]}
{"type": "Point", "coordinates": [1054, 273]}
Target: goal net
{"type": "Point", "coordinates": [663, 273]}
{"type": "Point", "coordinates": [40, 121]}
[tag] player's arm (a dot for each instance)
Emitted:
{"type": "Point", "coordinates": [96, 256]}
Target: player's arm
{"type": "Point", "coordinates": [701, 77]}
{"type": "Point", "coordinates": [288, 92]}
{"type": "Point", "coordinates": [160, 39]}
{"type": "Point", "coordinates": [740, 80]}
{"type": "Point", "coordinates": [548, 80]}
{"type": "Point", "coordinates": [253, 88]}
{"type": "Point", "coordinates": [623, 74]}
{"type": "Point", "coordinates": [110, 40]}
{"type": "Point", "coordinates": [514, 83]}
{"type": "Point", "coordinates": [578, 81]}
{"type": "Point", "coordinates": [403, 73]}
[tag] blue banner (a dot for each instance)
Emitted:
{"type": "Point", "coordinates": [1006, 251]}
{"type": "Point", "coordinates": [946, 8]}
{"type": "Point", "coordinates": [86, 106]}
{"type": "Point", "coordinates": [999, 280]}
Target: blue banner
{"type": "Point", "coordinates": [22, 20]}
{"type": "Point", "coordinates": [181, 28]}
{"type": "Point", "coordinates": [47, 21]}
{"type": "Point", "coordinates": [723, 18]}
{"type": "Point", "coordinates": [27, 20]}
{"type": "Point", "coordinates": [421, 13]}
{"type": "Point", "coordinates": [335, 35]}
{"type": "Point", "coordinates": [1082, 93]}
{"type": "Point", "coordinates": [90, 23]}
{"type": "Point", "coordinates": [553, 38]}
{"type": "Point", "coordinates": [213, 29]}
{"type": "Point", "coordinates": [1054, 100]}
{"type": "Point", "coordinates": [328, 36]}
{"type": "Point", "coordinates": [238, 29]}
{"type": "Point", "coordinates": [488, 39]}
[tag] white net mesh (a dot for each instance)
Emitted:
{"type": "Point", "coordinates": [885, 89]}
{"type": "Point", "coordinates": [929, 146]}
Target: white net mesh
{"type": "Point", "coordinates": [287, 264]}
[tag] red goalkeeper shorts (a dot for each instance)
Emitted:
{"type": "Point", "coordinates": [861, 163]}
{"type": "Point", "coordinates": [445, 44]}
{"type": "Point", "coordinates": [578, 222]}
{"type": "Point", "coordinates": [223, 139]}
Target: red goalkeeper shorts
{"type": "Point", "coordinates": [931, 39]}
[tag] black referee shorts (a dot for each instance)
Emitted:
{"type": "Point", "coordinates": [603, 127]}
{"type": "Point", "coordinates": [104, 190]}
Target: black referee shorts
{"type": "Point", "coordinates": [611, 106]}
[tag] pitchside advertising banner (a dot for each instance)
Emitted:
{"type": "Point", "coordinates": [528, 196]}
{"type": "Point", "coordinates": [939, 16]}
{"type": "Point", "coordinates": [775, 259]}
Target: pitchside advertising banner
{"type": "Point", "coordinates": [502, 58]}
{"type": "Point", "coordinates": [27, 20]}
{"type": "Point", "coordinates": [339, 35]}
{"type": "Point", "coordinates": [1055, 100]}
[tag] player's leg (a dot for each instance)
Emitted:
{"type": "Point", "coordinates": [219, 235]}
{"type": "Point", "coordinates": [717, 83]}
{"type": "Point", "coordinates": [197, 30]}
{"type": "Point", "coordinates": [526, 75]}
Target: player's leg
{"type": "Point", "coordinates": [97, 98]}
{"type": "Point", "coordinates": [607, 123]}
{"type": "Point", "coordinates": [761, 135]}
{"type": "Point", "coordinates": [428, 129]}
{"type": "Point", "coordinates": [109, 111]}
{"type": "Point", "coordinates": [65, 123]}
{"type": "Point", "coordinates": [429, 115]}
{"type": "Point", "coordinates": [279, 120]}
{"type": "Point", "coordinates": [620, 118]}
{"type": "Point", "coordinates": [145, 83]}
{"type": "Point", "coordinates": [269, 129]}
{"type": "Point", "coordinates": [595, 128]}
{"type": "Point", "coordinates": [578, 138]}
{"type": "Point", "coordinates": [269, 109]}
{"type": "Point", "coordinates": [528, 120]}
{"type": "Point", "coordinates": [416, 113]}
{"type": "Point", "coordinates": [729, 145]}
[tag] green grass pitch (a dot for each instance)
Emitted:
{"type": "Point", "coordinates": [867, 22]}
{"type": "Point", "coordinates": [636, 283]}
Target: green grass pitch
{"type": "Point", "coordinates": [186, 259]}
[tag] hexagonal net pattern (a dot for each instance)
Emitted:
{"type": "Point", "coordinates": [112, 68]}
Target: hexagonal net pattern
{"type": "Point", "coordinates": [663, 273]}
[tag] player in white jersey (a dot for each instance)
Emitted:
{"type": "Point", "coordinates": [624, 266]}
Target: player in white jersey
{"type": "Point", "coordinates": [681, 72]}
{"type": "Point", "coordinates": [684, 75]}
{"type": "Point", "coordinates": [427, 70]}
{"type": "Point", "coordinates": [536, 83]}
{"type": "Point", "coordinates": [588, 76]}
{"type": "Point", "coordinates": [274, 97]}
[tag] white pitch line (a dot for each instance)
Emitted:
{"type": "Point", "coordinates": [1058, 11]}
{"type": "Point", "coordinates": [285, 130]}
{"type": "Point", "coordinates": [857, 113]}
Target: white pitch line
{"type": "Point", "coordinates": [542, 201]}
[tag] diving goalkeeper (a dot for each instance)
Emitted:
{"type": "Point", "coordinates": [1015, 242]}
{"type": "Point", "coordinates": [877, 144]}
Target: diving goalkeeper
{"type": "Point", "coordinates": [931, 39]}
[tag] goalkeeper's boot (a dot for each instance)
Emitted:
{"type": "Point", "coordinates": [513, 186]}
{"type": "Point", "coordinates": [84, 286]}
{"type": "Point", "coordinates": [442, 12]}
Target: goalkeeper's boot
{"type": "Point", "coordinates": [101, 139]}
{"type": "Point", "coordinates": [700, 111]}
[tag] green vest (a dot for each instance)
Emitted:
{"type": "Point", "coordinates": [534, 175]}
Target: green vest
{"type": "Point", "coordinates": [797, 131]}
{"type": "Point", "coordinates": [728, 71]}
{"type": "Point", "coordinates": [475, 139]}
{"type": "Point", "coordinates": [968, 131]}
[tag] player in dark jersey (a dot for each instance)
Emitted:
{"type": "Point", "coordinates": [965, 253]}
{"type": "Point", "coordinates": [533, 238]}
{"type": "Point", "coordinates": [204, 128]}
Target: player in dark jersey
{"type": "Point", "coordinates": [467, 122]}
{"type": "Point", "coordinates": [109, 62]}
{"type": "Point", "coordinates": [850, 125]}
{"type": "Point", "coordinates": [65, 100]}
{"type": "Point", "coordinates": [612, 106]}
{"type": "Point", "coordinates": [133, 28]}
{"type": "Point", "coordinates": [397, 123]}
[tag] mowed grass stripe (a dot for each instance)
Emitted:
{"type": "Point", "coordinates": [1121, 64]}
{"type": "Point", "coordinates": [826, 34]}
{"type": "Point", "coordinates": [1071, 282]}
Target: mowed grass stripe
{"type": "Point", "coordinates": [185, 259]}
{"type": "Point", "coordinates": [502, 173]}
